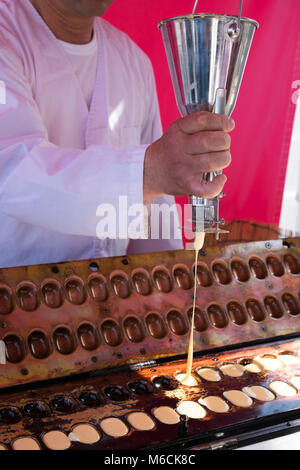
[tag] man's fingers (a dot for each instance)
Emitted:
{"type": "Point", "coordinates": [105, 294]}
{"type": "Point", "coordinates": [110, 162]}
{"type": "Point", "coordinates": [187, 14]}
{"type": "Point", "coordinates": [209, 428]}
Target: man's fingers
{"type": "Point", "coordinates": [208, 190]}
{"type": "Point", "coordinates": [207, 142]}
{"type": "Point", "coordinates": [209, 162]}
{"type": "Point", "coordinates": [205, 121]}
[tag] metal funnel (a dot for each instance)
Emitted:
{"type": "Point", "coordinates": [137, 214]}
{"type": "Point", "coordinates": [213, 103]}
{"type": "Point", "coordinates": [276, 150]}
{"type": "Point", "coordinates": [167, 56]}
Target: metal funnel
{"type": "Point", "coordinates": [206, 52]}
{"type": "Point", "coordinates": [207, 55]}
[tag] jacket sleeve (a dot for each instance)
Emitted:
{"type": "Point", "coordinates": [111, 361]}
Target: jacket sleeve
{"type": "Point", "coordinates": [49, 186]}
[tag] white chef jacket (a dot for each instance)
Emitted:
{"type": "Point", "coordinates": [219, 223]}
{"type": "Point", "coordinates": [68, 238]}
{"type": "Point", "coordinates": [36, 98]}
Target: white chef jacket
{"type": "Point", "coordinates": [84, 59]}
{"type": "Point", "coordinates": [58, 159]}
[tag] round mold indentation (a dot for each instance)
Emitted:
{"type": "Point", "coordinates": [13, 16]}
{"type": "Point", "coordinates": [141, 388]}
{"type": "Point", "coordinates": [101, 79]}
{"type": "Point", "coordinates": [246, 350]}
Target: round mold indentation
{"type": "Point", "coordinates": [250, 365]}
{"type": "Point", "coordinates": [56, 440]}
{"type": "Point", "coordinates": [116, 393]}
{"type": "Point", "coordinates": [25, 443]}
{"type": "Point", "coordinates": [10, 415]}
{"type": "Point", "coordinates": [120, 285]}
{"type": "Point", "coordinates": [191, 409]}
{"type": "Point", "coordinates": [238, 398]}
{"type": "Point", "coordinates": [74, 290]}
{"type": "Point", "coordinates": [15, 348]}
{"type": "Point", "coordinates": [290, 304]}
{"type": "Point", "coordinates": [236, 313]}
{"type": "Point", "coordinates": [141, 282]}
{"type": "Point", "coordinates": [97, 287]}
{"type": "Point", "coordinates": [283, 389]}
{"type": "Point", "coordinates": [39, 345]}
{"type": "Point", "coordinates": [156, 326]}
{"type": "Point", "coordinates": [288, 358]}
{"type": "Point", "coordinates": [140, 387]}
{"type": "Point", "coordinates": [133, 329]}
{"type": "Point", "coordinates": [200, 320]}
{"type": "Point", "coordinates": [269, 362]}
{"type": "Point", "coordinates": [140, 421]}
{"type": "Point", "coordinates": [192, 381]}
{"type": "Point", "coordinates": [275, 266]}
{"type": "Point", "coordinates": [90, 398]}
{"type": "Point", "coordinates": [295, 381]}
{"type": "Point", "coordinates": [204, 277]}
{"type": "Point", "coordinates": [273, 307]}
{"type": "Point", "coordinates": [85, 433]}
{"type": "Point", "coordinates": [209, 374]}
{"type": "Point", "coordinates": [221, 272]}
{"type": "Point", "coordinates": [259, 393]}
{"type": "Point", "coordinates": [64, 340]}
{"type": "Point", "coordinates": [182, 277]}
{"type": "Point", "coordinates": [258, 268]}
{"type": "Point", "coordinates": [114, 427]}
{"type": "Point", "coordinates": [88, 336]}
{"type": "Point", "coordinates": [51, 293]}
{"type": "Point", "coordinates": [63, 404]}
{"type": "Point", "coordinates": [6, 302]}
{"type": "Point", "coordinates": [240, 270]}
{"type": "Point", "coordinates": [166, 415]}
{"type": "Point", "coordinates": [291, 264]}
{"type": "Point", "coordinates": [177, 323]}
{"type": "Point", "coordinates": [27, 298]}
{"type": "Point", "coordinates": [217, 316]}
{"type": "Point", "coordinates": [111, 333]}
{"type": "Point", "coordinates": [164, 382]}
{"type": "Point", "coordinates": [36, 409]}
{"type": "Point", "coordinates": [162, 280]}
{"type": "Point", "coordinates": [232, 369]}
{"type": "Point", "coordinates": [215, 404]}
{"type": "Point", "coordinates": [255, 310]}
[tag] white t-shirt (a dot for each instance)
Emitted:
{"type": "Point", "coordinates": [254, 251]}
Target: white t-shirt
{"type": "Point", "coordinates": [84, 59]}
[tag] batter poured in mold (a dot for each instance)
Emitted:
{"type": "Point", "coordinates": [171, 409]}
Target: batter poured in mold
{"type": "Point", "coordinates": [216, 404]}
{"type": "Point", "coordinates": [114, 427]}
{"type": "Point", "coordinates": [208, 373]}
{"type": "Point", "coordinates": [269, 362]}
{"type": "Point", "coordinates": [25, 443]}
{"type": "Point", "coordinates": [188, 378]}
{"type": "Point", "coordinates": [282, 388]}
{"type": "Point", "coordinates": [140, 421]}
{"type": "Point", "coordinates": [166, 415]}
{"type": "Point", "coordinates": [238, 398]}
{"type": "Point", "coordinates": [56, 440]}
{"type": "Point", "coordinates": [191, 409]}
{"type": "Point", "coordinates": [259, 393]}
{"type": "Point", "coordinates": [232, 370]}
{"type": "Point", "coordinates": [85, 433]}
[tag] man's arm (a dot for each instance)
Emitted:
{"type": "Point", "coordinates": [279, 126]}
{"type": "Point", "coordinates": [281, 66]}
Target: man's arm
{"type": "Point", "coordinates": [49, 186]}
{"type": "Point", "coordinates": [60, 188]}
{"type": "Point", "coordinates": [152, 130]}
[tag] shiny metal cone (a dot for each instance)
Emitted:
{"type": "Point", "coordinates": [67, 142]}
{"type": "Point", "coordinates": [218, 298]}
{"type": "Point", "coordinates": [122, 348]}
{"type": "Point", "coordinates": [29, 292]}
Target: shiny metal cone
{"type": "Point", "coordinates": [206, 52]}
{"type": "Point", "coordinates": [207, 55]}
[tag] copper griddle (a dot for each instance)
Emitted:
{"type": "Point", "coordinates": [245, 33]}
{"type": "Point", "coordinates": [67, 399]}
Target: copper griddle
{"type": "Point", "coordinates": [80, 327]}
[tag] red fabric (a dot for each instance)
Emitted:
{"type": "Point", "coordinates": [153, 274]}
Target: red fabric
{"type": "Point", "coordinates": [264, 113]}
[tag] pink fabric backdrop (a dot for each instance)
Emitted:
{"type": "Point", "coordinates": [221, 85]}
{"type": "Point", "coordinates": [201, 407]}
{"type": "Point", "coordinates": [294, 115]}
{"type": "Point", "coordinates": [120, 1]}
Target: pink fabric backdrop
{"type": "Point", "coordinates": [264, 113]}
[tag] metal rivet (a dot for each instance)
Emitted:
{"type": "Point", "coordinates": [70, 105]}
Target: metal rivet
{"type": "Point", "coordinates": [94, 266]}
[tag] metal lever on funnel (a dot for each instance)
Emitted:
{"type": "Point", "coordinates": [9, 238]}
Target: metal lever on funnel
{"type": "Point", "coordinates": [205, 212]}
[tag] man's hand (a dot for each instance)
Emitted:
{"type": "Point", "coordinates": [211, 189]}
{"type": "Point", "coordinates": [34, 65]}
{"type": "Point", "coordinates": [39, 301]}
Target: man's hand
{"type": "Point", "coordinates": [191, 146]}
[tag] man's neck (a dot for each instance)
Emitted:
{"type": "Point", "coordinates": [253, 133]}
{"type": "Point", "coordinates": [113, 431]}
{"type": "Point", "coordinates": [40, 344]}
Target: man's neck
{"type": "Point", "coordinates": [64, 26]}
